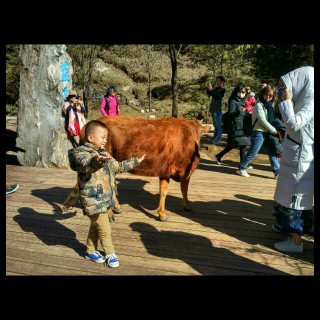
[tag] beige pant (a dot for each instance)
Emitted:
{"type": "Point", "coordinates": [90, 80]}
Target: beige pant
{"type": "Point", "coordinates": [100, 229]}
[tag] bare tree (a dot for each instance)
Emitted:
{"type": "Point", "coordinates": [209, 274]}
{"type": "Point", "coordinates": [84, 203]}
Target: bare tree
{"type": "Point", "coordinates": [84, 58]}
{"type": "Point", "coordinates": [174, 79]}
{"type": "Point", "coordinates": [151, 56]}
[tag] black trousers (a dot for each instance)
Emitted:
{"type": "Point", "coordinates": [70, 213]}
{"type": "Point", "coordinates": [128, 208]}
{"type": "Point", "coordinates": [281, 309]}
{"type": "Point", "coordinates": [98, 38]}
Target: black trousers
{"type": "Point", "coordinates": [75, 140]}
{"type": "Point", "coordinates": [229, 148]}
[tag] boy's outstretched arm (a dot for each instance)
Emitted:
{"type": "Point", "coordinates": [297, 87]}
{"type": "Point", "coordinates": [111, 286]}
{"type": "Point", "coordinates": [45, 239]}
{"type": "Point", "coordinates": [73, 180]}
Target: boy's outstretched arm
{"type": "Point", "coordinates": [126, 165]}
{"type": "Point", "coordinates": [83, 162]}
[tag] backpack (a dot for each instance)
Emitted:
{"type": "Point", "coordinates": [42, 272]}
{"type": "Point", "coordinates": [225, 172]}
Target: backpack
{"type": "Point", "coordinates": [247, 124]}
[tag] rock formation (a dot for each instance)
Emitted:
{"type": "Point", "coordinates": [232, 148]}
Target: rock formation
{"type": "Point", "coordinates": [45, 79]}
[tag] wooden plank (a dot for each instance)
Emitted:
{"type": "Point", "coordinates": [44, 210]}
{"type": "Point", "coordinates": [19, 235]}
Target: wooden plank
{"type": "Point", "coordinates": [132, 256]}
{"type": "Point", "coordinates": [187, 246]}
{"type": "Point", "coordinates": [229, 234]}
{"type": "Point", "coordinates": [76, 265]}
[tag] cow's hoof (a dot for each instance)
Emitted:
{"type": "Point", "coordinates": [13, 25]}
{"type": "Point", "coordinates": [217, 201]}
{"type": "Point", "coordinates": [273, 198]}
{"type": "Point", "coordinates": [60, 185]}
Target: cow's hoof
{"type": "Point", "coordinates": [187, 208]}
{"type": "Point", "coordinates": [163, 219]}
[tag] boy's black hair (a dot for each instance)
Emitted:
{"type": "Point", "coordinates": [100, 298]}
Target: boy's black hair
{"type": "Point", "coordinates": [90, 126]}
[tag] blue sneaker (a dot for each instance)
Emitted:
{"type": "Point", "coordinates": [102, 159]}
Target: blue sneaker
{"type": "Point", "coordinates": [96, 257]}
{"type": "Point", "coordinates": [216, 141]}
{"type": "Point", "coordinates": [112, 260]}
{"type": "Point", "coordinates": [11, 188]}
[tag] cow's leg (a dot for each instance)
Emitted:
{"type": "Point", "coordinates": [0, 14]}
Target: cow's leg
{"type": "Point", "coordinates": [164, 187]}
{"type": "Point", "coordinates": [184, 183]}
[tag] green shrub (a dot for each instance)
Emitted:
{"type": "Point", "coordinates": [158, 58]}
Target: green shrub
{"type": "Point", "coordinates": [198, 113]}
{"type": "Point", "coordinates": [11, 111]}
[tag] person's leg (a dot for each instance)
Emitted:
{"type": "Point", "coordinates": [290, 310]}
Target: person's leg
{"type": "Point", "coordinates": [290, 223]}
{"type": "Point", "coordinates": [308, 225]}
{"type": "Point", "coordinates": [242, 153]}
{"type": "Point", "coordinates": [104, 233]}
{"type": "Point", "coordinates": [296, 238]}
{"type": "Point", "coordinates": [77, 140]}
{"type": "Point", "coordinates": [257, 139]}
{"type": "Point", "coordinates": [73, 142]}
{"type": "Point", "coordinates": [215, 132]}
{"type": "Point", "coordinates": [273, 160]}
{"type": "Point", "coordinates": [218, 123]}
{"type": "Point", "coordinates": [223, 152]}
{"type": "Point", "coordinates": [92, 240]}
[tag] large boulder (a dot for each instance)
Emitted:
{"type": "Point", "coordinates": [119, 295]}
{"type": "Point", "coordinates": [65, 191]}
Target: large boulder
{"type": "Point", "coordinates": [45, 79]}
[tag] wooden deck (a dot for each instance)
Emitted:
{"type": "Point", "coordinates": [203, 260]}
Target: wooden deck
{"type": "Point", "coordinates": [228, 233]}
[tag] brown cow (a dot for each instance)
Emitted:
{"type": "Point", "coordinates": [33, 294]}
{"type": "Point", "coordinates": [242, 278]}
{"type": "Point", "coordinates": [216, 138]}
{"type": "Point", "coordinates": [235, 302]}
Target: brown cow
{"type": "Point", "coordinates": [171, 146]}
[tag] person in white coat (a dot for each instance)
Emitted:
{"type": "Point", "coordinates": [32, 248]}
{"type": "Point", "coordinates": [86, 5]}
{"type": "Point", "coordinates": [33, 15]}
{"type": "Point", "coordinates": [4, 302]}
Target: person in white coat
{"type": "Point", "coordinates": [295, 186]}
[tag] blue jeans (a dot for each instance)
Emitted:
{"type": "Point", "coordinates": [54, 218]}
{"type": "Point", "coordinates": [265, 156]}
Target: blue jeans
{"type": "Point", "coordinates": [257, 139]}
{"type": "Point", "coordinates": [217, 122]}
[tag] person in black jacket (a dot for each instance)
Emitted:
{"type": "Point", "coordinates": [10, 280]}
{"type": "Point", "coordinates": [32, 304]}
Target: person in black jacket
{"type": "Point", "coordinates": [235, 118]}
{"type": "Point", "coordinates": [215, 110]}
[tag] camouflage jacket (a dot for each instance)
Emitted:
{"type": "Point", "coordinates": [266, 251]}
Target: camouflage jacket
{"type": "Point", "coordinates": [96, 179]}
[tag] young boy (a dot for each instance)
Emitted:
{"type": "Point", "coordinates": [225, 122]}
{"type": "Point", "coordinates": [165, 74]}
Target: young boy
{"type": "Point", "coordinates": [97, 187]}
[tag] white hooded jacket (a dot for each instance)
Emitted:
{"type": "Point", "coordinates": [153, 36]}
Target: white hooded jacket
{"type": "Point", "coordinates": [295, 185]}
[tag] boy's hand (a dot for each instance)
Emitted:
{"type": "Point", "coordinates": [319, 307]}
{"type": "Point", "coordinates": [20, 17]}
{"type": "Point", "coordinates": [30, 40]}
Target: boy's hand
{"type": "Point", "coordinates": [141, 159]}
{"type": "Point", "coordinates": [103, 158]}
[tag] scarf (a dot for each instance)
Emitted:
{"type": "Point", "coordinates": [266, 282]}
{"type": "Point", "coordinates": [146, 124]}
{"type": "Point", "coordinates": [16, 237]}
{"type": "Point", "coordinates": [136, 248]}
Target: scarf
{"type": "Point", "coordinates": [269, 106]}
{"type": "Point", "coordinates": [76, 115]}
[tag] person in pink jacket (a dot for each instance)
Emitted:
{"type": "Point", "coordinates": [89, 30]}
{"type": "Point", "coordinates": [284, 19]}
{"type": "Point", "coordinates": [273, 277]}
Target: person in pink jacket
{"type": "Point", "coordinates": [110, 105]}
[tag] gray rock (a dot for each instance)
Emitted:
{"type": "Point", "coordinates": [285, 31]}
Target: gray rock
{"type": "Point", "coordinates": [45, 79]}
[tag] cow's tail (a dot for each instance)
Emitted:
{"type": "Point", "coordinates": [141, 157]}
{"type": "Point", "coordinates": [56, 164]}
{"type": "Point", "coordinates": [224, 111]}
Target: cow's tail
{"type": "Point", "coordinates": [195, 160]}
{"type": "Point", "coordinates": [72, 198]}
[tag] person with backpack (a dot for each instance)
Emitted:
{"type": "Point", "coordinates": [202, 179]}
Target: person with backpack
{"type": "Point", "coordinates": [110, 104]}
{"type": "Point", "coordinates": [262, 116]}
{"type": "Point", "coordinates": [234, 122]}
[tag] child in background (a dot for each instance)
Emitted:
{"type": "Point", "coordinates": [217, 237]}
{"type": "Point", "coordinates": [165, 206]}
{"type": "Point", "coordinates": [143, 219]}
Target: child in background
{"type": "Point", "coordinates": [250, 101]}
{"type": "Point", "coordinates": [97, 187]}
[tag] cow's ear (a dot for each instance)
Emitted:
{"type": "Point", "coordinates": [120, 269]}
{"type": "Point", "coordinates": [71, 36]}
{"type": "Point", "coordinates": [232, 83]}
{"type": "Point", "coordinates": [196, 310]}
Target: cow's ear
{"type": "Point", "coordinates": [205, 129]}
